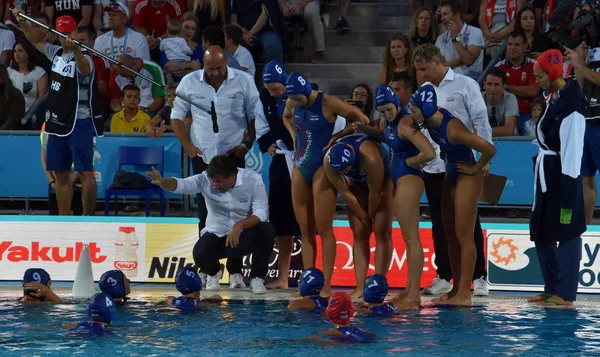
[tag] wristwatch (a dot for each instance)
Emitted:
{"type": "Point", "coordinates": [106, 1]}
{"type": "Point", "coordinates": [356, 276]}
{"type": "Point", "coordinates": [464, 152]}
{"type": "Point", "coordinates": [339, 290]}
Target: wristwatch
{"type": "Point", "coordinates": [457, 39]}
{"type": "Point", "coordinates": [507, 87]}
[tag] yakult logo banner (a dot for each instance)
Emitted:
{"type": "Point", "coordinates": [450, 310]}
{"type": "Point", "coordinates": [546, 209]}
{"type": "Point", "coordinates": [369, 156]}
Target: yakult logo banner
{"type": "Point", "coordinates": [56, 247]}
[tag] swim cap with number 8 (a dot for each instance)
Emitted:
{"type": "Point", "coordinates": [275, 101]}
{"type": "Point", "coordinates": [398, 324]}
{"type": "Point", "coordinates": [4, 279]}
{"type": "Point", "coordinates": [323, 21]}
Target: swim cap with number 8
{"type": "Point", "coordinates": [297, 85]}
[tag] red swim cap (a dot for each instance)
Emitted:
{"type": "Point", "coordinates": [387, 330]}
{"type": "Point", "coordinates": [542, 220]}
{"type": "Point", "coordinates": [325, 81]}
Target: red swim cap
{"type": "Point", "coordinates": [340, 309]}
{"type": "Point", "coordinates": [551, 62]}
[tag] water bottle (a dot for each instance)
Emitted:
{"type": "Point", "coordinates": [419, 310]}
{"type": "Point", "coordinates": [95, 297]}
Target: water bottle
{"type": "Point", "coordinates": [126, 258]}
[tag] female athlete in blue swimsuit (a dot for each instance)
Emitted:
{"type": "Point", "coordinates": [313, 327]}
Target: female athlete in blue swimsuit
{"type": "Point", "coordinates": [101, 312]}
{"type": "Point", "coordinates": [462, 186]}
{"type": "Point", "coordinates": [410, 152]}
{"type": "Point", "coordinates": [310, 116]}
{"type": "Point", "coordinates": [189, 284]}
{"type": "Point", "coordinates": [310, 286]}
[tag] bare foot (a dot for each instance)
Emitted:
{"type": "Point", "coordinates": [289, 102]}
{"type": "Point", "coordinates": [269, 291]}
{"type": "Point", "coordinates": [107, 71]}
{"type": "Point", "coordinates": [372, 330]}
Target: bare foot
{"type": "Point", "coordinates": [326, 292]}
{"type": "Point", "coordinates": [357, 293]}
{"type": "Point", "coordinates": [442, 298]}
{"type": "Point", "coordinates": [411, 300]}
{"type": "Point", "coordinates": [401, 295]}
{"type": "Point", "coordinates": [555, 302]}
{"type": "Point", "coordinates": [539, 298]}
{"type": "Point", "coordinates": [278, 284]}
{"type": "Point", "coordinates": [458, 300]}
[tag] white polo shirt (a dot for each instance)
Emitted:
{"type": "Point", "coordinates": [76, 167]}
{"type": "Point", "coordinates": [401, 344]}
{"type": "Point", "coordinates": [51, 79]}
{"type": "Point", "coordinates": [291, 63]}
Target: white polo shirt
{"type": "Point", "coordinates": [234, 102]}
{"type": "Point", "coordinates": [247, 198]}
{"type": "Point", "coordinates": [461, 96]}
{"type": "Point", "coordinates": [470, 36]}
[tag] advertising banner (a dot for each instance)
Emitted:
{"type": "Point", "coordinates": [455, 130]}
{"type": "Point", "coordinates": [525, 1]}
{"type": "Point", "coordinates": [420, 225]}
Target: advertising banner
{"type": "Point", "coordinates": [513, 263]}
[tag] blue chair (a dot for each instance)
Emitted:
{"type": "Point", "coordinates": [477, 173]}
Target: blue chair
{"type": "Point", "coordinates": [139, 155]}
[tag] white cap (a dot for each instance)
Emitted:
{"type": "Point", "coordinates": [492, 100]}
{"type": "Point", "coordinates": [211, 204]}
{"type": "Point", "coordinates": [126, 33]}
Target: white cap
{"type": "Point", "coordinates": [117, 6]}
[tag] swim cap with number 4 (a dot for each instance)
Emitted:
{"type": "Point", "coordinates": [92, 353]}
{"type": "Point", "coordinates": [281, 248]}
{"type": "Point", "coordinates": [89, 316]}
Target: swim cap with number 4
{"type": "Point", "coordinates": [101, 308]}
{"type": "Point", "coordinates": [297, 85]}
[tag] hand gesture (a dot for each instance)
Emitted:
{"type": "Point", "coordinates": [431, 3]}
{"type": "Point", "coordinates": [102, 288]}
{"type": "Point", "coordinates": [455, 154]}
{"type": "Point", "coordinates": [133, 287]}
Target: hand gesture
{"type": "Point", "coordinates": [155, 177]}
{"type": "Point", "coordinates": [193, 151]}
{"type": "Point", "coordinates": [160, 131]}
{"type": "Point", "coordinates": [572, 55]}
{"type": "Point", "coordinates": [272, 150]}
{"type": "Point", "coordinates": [454, 29]}
{"type": "Point", "coordinates": [70, 44]}
{"type": "Point", "coordinates": [466, 168]}
{"type": "Point", "coordinates": [233, 238]}
{"type": "Point", "coordinates": [16, 12]}
{"type": "Point", "coordinates": [39, 288]}
{"type": "Point", "coordinates": [358, 127]}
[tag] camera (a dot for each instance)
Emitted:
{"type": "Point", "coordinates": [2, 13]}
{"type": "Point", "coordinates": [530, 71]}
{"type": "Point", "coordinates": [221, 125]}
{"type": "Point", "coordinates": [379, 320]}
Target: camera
{"type": "Point", "coordinates": [586, 23]}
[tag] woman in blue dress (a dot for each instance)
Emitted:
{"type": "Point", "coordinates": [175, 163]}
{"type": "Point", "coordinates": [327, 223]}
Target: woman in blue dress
{"type": "Point", "coordinates": [461, 189]}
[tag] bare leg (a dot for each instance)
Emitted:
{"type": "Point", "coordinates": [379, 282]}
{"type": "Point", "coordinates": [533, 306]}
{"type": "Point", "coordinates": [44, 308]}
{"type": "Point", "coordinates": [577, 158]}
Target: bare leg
{"type": "Point", "coordinates": [324, 208]}
{"type": "Point", "coordinates": [382, 228]}
{"type": "Point", "coordinates": [409, 189]}
{"type": "Point", "coordinates": [590, 192]}
{"type": "Point", "coordinates": [344, 6]}
{"type": "Point", "coordinates": [302, 199]}
{"type": "Point", "coordinates": [89, 192]}
{"type": "Point", "coordinates": [468, 190]}
{"type": "Point", "coordinates": [284, 245]}
{"type": "Point", "coordinates": [64, 192]}
{"type": "Point", "coordinates": [360, 252]}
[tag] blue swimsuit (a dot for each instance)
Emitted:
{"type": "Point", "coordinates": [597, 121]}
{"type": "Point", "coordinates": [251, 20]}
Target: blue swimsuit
{"type": "Point", "coordinates": [320, 303]}
{"type": "Point", "coordinates": [450, 152]}
{"type": "Point", "coordinates": [387, 309]}
{"type": "Point", "coordinates": [401, 149]}
{"type": "Point", "coordinates": [355, 173]}
{"type": "Point", "coordinates": [185, 303]}
{"type": "Point", "coordinates": [313, 133]}
{"type": "Point", "coordinates": [353, 334]}
{"type": "Point", "coordinates": [90, 328]}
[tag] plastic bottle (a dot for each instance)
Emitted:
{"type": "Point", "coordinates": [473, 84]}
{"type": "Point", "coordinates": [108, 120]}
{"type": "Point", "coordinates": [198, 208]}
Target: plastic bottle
{"type": "Point", "coordinates": [126, 258]}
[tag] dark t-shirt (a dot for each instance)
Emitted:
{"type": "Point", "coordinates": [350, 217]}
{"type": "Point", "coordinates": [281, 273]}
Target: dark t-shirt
{"type": "Point", "coordinates": [247, 11]}
{"type": "Point", "coordinates": [68, 7]}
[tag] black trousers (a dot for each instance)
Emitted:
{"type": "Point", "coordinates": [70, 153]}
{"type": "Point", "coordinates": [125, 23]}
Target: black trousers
{"type": "Point", "coordinates": [433, 191]}
{"type": "Point", "coordinates": [199, 166]}
{"type": "Point", "coordinates": [257, 241]}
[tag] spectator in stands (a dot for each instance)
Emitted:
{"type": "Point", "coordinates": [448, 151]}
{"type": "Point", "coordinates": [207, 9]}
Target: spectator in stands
{"type": "Point", "coordinates": [233, 41]}
{"type": "Point", "coordinates": [207, 13]}
{"type": "Point", "coordinates": [502, 107]}
{"type": "Point", "coordinates": [85, 35]}
{"type": "Point", "coordinates": [536, 106]}
{"type": "Point", "coordinates": [131, 119]}
{"type": "Point", "coordinates": [495, 18]}
{"type": "Point", "coordinates": [121, 40]}
{"type": "Point", "coordinates": [12, 103]}
{"type": "Point", "coordinates": [234, 95]}
{"type": "Point", "coordinates": [520, 79]}
{"type": "Point", "coordinates": [537, 40]}
{"type": "Point", "coordinates": [152, 96]}
{"type": "Point", "coordinates": [46, 36]}
{"type": "Point", "coordinates": [253, 18]}
{"type": "Point", "coordinates": [423, 27]}
{"type": "Point", "coordinates": [214, 36]}
{"type": "Point", "coordinates": [162, 120]}
{"type": "Point", "coordinates": [30, 79]}
{"type": "Point", "coordinates": [189, 24]}
{"type": "Point", "coordinates": [31, 8]}
{"type": "Point", "coordinates": [80, 10]}
{"type": "Point", "coordinates": [311, 13]}
{"type": "Point", "coordinates": [150, 19]}
{"type": "Point", "coordinates": [461, 44]}
{"type": "Point", "coordinates": [174, 46]}
{"type": "Point", "coordinates": [363, 94]}
{"type": "Point", "coordinates": [468, 8]}
{"type": "Point", "coordinates": [102, 10]}
{"type": "Point", "coordinates": [342, 25]}
{"type": "Point", "coordinates": [7, 42]}
{"type": "Point", "coordinates": [397, 59]}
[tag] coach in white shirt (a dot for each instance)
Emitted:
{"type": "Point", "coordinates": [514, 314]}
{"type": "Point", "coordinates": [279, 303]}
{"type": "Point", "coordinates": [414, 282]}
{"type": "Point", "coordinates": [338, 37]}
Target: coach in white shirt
{"type": "Point", "coordinates": [461, 96]}
{"type": "Point", "coordinates": [236, 225]}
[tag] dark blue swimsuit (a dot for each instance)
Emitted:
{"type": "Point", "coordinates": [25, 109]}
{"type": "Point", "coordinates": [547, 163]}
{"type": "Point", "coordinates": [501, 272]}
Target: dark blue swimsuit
{"type": "Point", "coordinates": [450, 153]}
{"type": "Point", "coordinates": [313, 133]}
{"type": "Point", "coordinates": [386, 309]}
{"type": "Point", "coordinates": [401, 149]}
{"type": "Point", "coordinates": [320, 303]}
{"type": "Point", "coordinates": [94, 328]}
{"type": "Point", "coordinates": [353, 334]}
{"type": "Point", "coordinates": [355, 173]}
{"type": "Point", "coordinates": [185, 303]}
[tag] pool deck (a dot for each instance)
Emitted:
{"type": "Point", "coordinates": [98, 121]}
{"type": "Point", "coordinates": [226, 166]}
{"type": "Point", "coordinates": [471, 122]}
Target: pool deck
{"type": "Point", "coordinates": [154, 291]}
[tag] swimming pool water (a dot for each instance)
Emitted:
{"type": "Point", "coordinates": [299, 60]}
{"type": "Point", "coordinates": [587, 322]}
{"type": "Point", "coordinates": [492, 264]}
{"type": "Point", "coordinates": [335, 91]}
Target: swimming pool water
{"type": "Point", "coordinates": [260, 328]}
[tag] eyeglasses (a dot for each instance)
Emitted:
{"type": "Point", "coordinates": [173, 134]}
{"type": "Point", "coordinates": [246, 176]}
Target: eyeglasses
{"type": "Point", "coordinates": [359, 94]}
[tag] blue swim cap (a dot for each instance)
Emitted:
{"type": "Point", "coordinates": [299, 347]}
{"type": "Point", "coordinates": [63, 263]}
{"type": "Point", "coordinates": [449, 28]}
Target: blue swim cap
{"type": "Point", "coordinates": [376, 289]}
{"type": "Point", "coordinates": [101, 308]}
{"type": "Point", "coordinates": [425, 99]}
{"type": "Point", "coordinates": [113, 283]}
{"type": "Point", "coordinates": [35, 275]}
{"type": "Point", "coordinates": [296, 84]}
{"type": "Point", "coordinates": [341, 156]}
{"type": "Point", "coordinates": [385, 95]}
{"type": "Point", "coordinates": [188, 281]}
{"type": "Point", "coordinates": [311, 282]}
{"type": "Point", "coordinates": [273, 72]}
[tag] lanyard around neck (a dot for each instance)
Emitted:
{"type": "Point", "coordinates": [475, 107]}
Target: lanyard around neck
{"type": "Point", "coordinates": [112, 47]}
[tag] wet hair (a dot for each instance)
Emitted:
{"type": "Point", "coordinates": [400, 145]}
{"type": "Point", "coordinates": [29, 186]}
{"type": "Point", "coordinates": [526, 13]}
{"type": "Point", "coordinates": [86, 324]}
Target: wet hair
{"type": "Point", "coordinates": [221, 166]}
